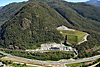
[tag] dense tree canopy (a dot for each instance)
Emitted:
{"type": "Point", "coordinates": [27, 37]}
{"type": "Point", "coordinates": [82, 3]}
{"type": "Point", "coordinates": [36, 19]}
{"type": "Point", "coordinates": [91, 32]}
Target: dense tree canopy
{"type": "Point", "coordinates": [34, 23]}
{"type": "Point", "coordinates": [51, 55]}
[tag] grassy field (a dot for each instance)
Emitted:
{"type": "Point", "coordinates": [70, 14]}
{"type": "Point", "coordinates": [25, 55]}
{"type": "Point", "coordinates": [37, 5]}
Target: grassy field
{"type": "Point", "coordinates": [74, 65]}
{"type": "Point", "coordinates": [73, 37]}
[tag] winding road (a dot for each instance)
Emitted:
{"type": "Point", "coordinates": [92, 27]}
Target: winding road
{"type": "Point", "coordinates": [85, 39]}
{"type": "Point", "coordinates": [54, 62]}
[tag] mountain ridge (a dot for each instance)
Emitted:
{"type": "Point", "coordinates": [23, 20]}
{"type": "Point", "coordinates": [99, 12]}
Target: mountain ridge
{"type": "Point", "coordinates": [83, 12]}
{"type": "Point", "coordinates": [18, 30]}
{"type": "Point", "coordinates": [7, 11]}
{"type": "Point", "coordinates": [1, 7]}
{"type": "Point", "coordinates": [94, 2]}
{"type": "Point", "coordinates": [35, 22]}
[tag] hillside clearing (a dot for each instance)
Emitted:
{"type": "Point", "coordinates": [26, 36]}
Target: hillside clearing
{"type": "Point", "coordinates": [73, 37]}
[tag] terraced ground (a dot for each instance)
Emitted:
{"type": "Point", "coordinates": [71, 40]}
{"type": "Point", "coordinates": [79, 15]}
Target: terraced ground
{"type": "Point", "coordinates": [73, 37]}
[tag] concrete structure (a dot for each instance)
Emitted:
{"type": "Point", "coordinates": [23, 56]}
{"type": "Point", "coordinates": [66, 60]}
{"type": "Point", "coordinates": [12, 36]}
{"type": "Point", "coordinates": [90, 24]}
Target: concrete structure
{"type": "Point", "coordinates": [64, 28]}
{"type": "Point", "coordinates": [67, 48]}
{"type": "Point", "coordinates": [55, 46]}
{"type": "Point", "coordinates": [52, 46]}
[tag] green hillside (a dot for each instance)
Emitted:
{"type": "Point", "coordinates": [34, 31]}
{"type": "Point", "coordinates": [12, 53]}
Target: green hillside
{"type": "Point", "coordinates": [73, 15]}
{"type": "Point", "coordinates": [7, 11]}
{"type": "Point", "coordinates": [33, 24]}
{"type": "Point", "coordinates": [92, 13]}
{"type": "Point", "coordinates": [73, 37]}
{"type": "Point", "coordinates": [81, 15]}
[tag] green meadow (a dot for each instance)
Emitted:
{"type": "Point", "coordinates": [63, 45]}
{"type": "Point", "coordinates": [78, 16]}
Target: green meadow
{"type": "Point", "coordinates": [74, 64]}
{"type": "Point", "coordinates": [73, 37]}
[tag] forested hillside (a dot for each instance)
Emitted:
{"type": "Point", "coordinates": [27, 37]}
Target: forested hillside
{"type": "Point", "coordinates": [34, 23]}
{"type": "Point", "coordinates": [83, 17]}
{"type": "Point", "coordinates": [89, 16]}
{"type": "Point", "coordinates": [80, 15]}
{"type": "Point", "coordinates": [7, 11]}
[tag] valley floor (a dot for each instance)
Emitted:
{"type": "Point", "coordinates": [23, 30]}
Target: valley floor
{"type": "Point", "coordinates": [53, 62]}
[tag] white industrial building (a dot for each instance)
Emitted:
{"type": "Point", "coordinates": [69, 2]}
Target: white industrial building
{"type": "Point", "coordinates": [52, 46]}
{"type": "Point", "coordinates": [55, 46]}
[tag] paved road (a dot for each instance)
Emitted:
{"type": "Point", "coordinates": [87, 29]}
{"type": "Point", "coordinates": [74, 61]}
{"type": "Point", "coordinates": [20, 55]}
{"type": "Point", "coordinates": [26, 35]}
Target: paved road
{"type": "Point", "coordinates": [85, 39]}
{"type": "Point", "coordinates": [54, 62]}
{"type": "Point", "coordinates": [75, 52]}
{"type": "Point", "coordinates": [94, 64]}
